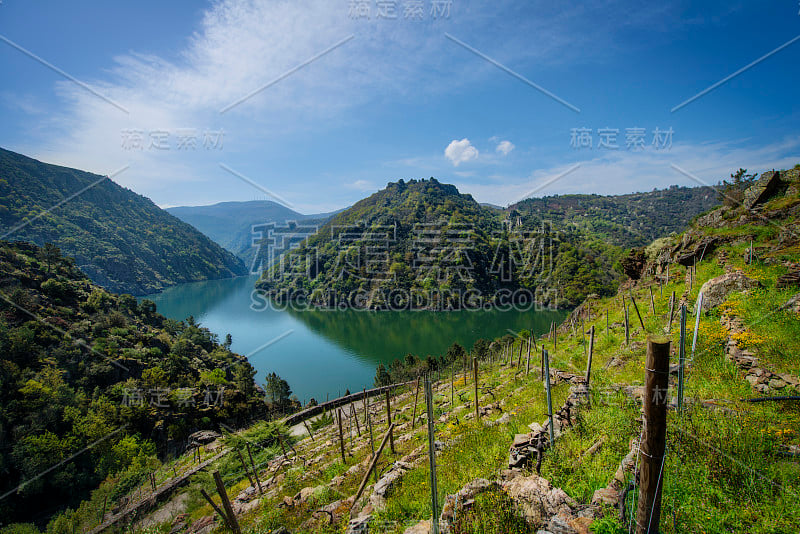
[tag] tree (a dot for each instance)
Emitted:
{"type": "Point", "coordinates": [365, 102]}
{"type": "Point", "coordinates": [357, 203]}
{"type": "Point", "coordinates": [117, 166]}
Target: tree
{"type": "Point", "coordinates": [278, 391]}
{"type": "Point", "coordinates": [382, 377]}
{"type": "Point", "coordinates": [50, 254]}
{"type": "Point", "coordinates": [732, 193]}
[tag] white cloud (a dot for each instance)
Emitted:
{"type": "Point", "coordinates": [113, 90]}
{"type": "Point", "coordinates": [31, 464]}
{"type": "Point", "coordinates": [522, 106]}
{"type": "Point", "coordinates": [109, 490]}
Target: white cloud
{"type": "Point", "coordinates": [460, 151]}
{"type": "Point", "coordinates": [504, 147]}
{"type": "Point", "coordinates": [361, 185]}
{"type": "Point", "coordinates": [621, 172]}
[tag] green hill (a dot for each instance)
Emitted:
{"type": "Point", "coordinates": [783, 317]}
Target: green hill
{"type": "Point", "coordinates": [230, 224]}
{"type": "Point", "coordinates": [79, 364]}
{"type": "Point", "coordinates": [422, 244]}
{"type": "Point", "coordinates": [631, 220]}
{"type": "Point", "coordinates": [121, 240]}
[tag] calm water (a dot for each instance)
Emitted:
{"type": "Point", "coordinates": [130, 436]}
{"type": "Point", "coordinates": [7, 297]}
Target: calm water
{"type": "Point", "coordinates": [326, 352]}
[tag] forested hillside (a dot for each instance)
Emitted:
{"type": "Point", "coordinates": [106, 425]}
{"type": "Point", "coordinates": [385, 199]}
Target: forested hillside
{"type": "Point", "coordinates": [121, 240]}
{"type": "Point", "coordinates": [629, 220]}
{"type": "Point", "coordinates": [81, 367]}
{"type": "Point", "coordinates": [422, 244]}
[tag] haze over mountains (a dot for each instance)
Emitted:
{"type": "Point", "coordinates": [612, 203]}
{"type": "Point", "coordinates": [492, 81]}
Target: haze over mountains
{"type": "Point", "coordinates": [230, 224]}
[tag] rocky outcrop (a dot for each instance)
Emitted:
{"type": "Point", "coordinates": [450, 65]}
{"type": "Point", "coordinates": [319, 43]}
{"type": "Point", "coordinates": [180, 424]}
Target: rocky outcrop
{"type": "Point", "coordinates": [764, 188]}
{"type": "Point", "coordinates": [384, 486]}
{"type": "Point", "coordinates": [694, 251]}
{"type": "Point", "coordinates": [716, 290]}
{"type": "Point", "coordinates": [541, 504]}
{"type": "Point", "coordinates": [762, 380]}
{"type": "Point", "coordinates": [528, 446]}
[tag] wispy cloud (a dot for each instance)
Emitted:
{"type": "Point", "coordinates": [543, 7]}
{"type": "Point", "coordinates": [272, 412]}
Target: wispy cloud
{"type": "Point", "coordinates": [619, 172]}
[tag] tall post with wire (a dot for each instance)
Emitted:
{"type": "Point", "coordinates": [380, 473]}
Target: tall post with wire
{"type": "Point", "coordinates": [654, 433]}
{"type": "Point", "coordinates": [432, 457]}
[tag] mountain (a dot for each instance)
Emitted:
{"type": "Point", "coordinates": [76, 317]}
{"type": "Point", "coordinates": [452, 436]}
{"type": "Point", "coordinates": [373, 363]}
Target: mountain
{"type": "Point", "coordinates": [79, 364]}
{"type": "Point", "coordinates": [629, 220]}
{"type": "Point", "coordinates": [230, 224]}
{"type": "Point", "coordinates": [422, 244]}
{"type": "Point", "coordinates": [120, 239]}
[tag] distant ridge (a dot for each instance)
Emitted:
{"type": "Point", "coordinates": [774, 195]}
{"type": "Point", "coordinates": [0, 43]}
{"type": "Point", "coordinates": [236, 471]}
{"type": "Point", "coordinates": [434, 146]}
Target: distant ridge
{"type": "Point", "coordinates": [230, 224]}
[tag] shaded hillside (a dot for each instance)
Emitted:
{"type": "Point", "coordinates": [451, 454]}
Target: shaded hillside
{"type": "Point", "coordinates": [230, 224]}
{"type": "Point", "coordinates": [79, 364]}
{"type": "Point", "coordinates": [120, 239]}
{"type": "Point", "coordinates": [422, 244]}
{"type": "Point", "coordinates": [629, 220]}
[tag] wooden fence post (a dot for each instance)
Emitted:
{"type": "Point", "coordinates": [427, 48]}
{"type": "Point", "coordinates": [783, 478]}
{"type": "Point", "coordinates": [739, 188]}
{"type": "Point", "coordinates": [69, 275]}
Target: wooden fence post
{"type": "Point", "coordinates": [671, 312]}
{"type": "Point", "coordinates": [528, 361]}
{"type": "Point", "coordinates": [681, 357]}
{"type": "Point", "coordinates": [549, 397]}
{"type": "Point", "coordinates": [389, 422]}
{"type": "Point", "coordinates": [341, 436]}
{"type": "Point", "coordinates": [626, 312]}
{"type": "Point", "coordinates": [416, 397]}
{"type": "Point", "coordinates": [591, 350]}
{"type": "Point", "coordinates": [475, 371]}
{"type": "Point", "coordinates": [226, 503]}
{"type": "Point", "coordinates": [652, 300]}
{"type": "Point", "coordinates": [653, 446]}
{"type": "Point", "coordinates": [432, 458]}
{"type": "Point", "coordinates": [355, 416]}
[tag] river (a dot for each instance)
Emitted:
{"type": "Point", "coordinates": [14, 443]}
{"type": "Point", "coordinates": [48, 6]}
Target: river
{"type": "Point", "coordinates": [324, 353]}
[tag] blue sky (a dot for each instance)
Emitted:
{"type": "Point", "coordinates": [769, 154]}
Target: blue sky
{"type": "Point", "coordinates": [458, 94]}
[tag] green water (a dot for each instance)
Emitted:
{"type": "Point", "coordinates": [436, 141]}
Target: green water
{"type": "Point", "coordinates": [325, 352]}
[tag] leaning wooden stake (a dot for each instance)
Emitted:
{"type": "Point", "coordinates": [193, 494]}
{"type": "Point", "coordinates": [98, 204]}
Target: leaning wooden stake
{"type": "Point", "coordinates": [341, 436]}
{"type": "Point", "coordinates": [389, 422]}
{"type": "Point", "coordinates": [432, 457]}
{"type": "Point", "coordinates": [636, 309]}
{"type": "Point", "coordinates": [216, 508]}
{"type": "Point", "coordinates": [372, 465]}
{"type": "Point", "coordinates": [475, 371]}
{"type": "Point", "coordinates": [253, 465]}
{"type": "Point", "coordinates": [308, 429]}
{"type": "Point", "coordinates": [652, 300]}
{"type": "Point", "coordinates": [246, 469]}
{"type": "Point", "coordinates": [654, 432]}
{"type": "Point", "coordinates": [233, 523]}
{"type": "Point", "coordinates": [591, 350]}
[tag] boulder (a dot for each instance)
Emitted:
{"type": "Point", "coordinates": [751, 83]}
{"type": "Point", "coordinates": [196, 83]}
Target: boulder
{"type": "Point", "coordinates": [423, 527]}
{"type": "Point", "coordinates": [716, 290]}
{"type": "Point", "coordinates": [537, 499]}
